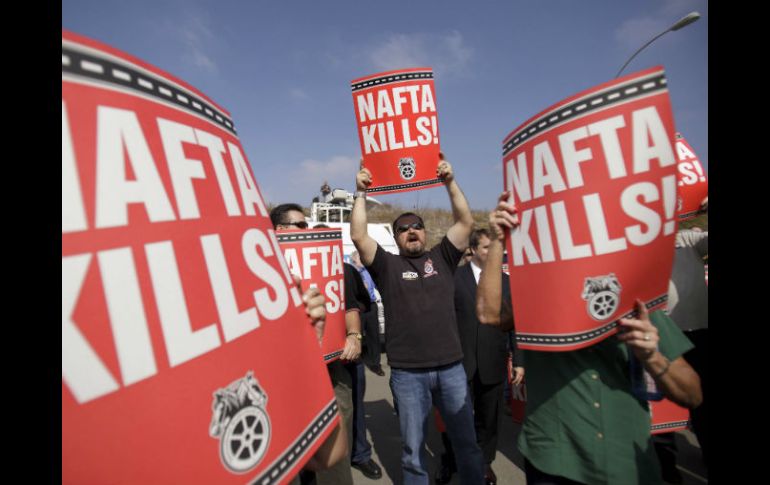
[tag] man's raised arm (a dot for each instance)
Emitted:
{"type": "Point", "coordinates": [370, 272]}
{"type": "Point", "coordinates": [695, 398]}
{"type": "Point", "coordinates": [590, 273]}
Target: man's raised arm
{"type": "Point", "coordinates": [490, 307]}
{"type": "Point", "coordinates": [366, 246]}
{"type": "Point", "coordinates": [461, 230]}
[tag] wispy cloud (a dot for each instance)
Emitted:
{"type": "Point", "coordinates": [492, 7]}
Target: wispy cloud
{"type": "Point", "coordinates": [446, 53]}
{"type": "Point", "coordinates": [633, 33]}
{"type": "Point", "coordinates": [298, 94]}
{"type": "Point", "coordinates": [307, 177]}
{"type": "Point", "coordinates": [194, 32]}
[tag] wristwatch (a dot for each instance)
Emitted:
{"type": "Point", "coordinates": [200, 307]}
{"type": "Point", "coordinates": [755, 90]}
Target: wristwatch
{"type": "Point", "coordinates": [359, 193]}
{"type": "Point", "coordinates": [355, 334]}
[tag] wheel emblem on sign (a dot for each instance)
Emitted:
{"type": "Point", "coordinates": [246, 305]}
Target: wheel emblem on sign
{"type": "Point", "coordinates": [602, 294]}
{"type": "Point", "coordinates": [407, 168]}
{"type": "Point", "coordinates": [240, 422]}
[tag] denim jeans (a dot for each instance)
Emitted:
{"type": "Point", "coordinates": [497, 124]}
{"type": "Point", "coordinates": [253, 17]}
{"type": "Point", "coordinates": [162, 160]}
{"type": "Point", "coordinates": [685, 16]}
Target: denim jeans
{"type": "Point", "coordinates": [415, 391]}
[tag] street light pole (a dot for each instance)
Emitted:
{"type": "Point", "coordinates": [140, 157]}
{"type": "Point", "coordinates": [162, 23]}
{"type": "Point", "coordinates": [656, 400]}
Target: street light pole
{"type": "Point", "coordinates": [686, 20]}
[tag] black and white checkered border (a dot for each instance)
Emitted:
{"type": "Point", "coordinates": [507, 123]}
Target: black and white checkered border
{"type": "Point", "coordinates": [386, 188]}
{"type": "Point", "coordinates": [576, 338]}
{"type": "Point", "coordinates": [671, 425]}
{"type": "Point", "coordinates": [392, 78]}
{"type": "Point", "coordinates": [615, 95]}
{"type": "Point", "coordinates": [331, 356]}
{"type": "Point", "coordinates": [105, 71]}
{"type": "Point", "coordinates": [275, 472]}
{"type": "Point", "coordinates": [309, 236]}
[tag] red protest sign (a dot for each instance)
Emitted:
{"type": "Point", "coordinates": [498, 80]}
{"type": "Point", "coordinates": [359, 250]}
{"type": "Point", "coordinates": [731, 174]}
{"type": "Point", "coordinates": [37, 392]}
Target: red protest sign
{"type": "Point", "coordinates": [316, 256]}
{"type": "Point", "coordinates": [176, 302]}
{"type": "Point", "coordinates": [594, 180]}
{"type": "Point", "coordinates": [666, 417]}
{"type": "Point", "coordinates": [398, 129]}
{"type": "Point", "coordinates": [693, 186]}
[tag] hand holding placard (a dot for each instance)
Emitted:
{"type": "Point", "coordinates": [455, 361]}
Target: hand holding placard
{"type": "Point", "coordinates": [444, 170]}
{"type": "Point", "coordinates": [363, 178]}
{"type": "Point", "coordinates": [504, 215]}
{"type": "Point", "coordinates": [315, 307]}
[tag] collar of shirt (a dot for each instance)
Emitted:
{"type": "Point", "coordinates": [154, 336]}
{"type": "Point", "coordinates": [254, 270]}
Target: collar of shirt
{"type": "Point", "coordinates": [476, 271]}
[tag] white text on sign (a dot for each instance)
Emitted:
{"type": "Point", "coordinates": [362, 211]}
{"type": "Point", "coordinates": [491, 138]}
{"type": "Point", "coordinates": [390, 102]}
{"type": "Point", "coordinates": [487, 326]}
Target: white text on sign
{"type": "Point", "coordinates": [650, 143]}
{"type": "Point", "coordinates": [382, 134]}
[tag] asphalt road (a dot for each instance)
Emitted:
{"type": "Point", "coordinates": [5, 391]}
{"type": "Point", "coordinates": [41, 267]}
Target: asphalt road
{"type": "Point", "coordinates": [383, 433]}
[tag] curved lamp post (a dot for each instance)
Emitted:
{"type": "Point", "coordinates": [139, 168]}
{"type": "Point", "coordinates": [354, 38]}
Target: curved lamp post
{"type": "Point", "coordinates": [686, 20]}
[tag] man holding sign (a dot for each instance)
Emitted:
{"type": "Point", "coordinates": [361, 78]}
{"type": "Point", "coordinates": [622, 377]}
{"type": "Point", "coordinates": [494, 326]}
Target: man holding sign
{"type": "Point", "coordinates": [423, 345]}
{"type": "Point", "coordinates": [583, 424]}
{"type": "Point", "coordinates": [290, 216]}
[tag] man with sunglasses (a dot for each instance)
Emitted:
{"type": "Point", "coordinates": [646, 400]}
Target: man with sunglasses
{"type": "Point", "coordinates": [424, 352]}
{"type": "Point", "coordinates": [290, 216]}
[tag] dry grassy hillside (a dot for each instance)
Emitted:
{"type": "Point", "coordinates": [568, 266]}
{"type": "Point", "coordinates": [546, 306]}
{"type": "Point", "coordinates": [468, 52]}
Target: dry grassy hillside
{"type": "Point", "coordinates": [437, 221]}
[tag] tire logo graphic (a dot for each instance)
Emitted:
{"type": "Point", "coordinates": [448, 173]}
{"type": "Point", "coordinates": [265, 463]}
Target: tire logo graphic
{"type": "Point", "coordinates": [407, 168]}
{"type": "Point", "coordinates": [240, 422]}
{"type": "Point", "coordinates": [602, 294]}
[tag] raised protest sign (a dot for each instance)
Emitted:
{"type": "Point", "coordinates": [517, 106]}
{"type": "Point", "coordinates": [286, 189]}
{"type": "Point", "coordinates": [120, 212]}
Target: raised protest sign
{"type": "Point", "coordinates": [187, 356]}
{"type": "Point", "coordinates": [315, 255]}
{"type": "Point", "coordinates": [594, 181]}
{"type": "Point", "coordinates": [693, 186]}
{"type": "Point", "coordinates": [666, 416]}
{"type": "Point", "coordinates": [398, 129]}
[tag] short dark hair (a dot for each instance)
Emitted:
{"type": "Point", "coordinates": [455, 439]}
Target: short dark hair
{"type": "Point", "coordinates": [405, 214]}
{"type": "Point", "coordinates": [279, 212]}
{"type": "Point", "coordinates": [476, 236]}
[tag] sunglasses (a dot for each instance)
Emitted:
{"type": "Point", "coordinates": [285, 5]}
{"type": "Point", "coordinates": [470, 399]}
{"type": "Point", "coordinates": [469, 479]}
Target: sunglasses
{"type": "Point", "coordinates": [300, 224]}
{"type": "Point", "coordinates": [405, 227]}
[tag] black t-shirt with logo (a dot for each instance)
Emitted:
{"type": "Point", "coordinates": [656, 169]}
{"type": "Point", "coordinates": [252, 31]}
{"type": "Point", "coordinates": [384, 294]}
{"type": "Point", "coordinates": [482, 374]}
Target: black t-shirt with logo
{"type": "Point", "coordinates": [421, 330]}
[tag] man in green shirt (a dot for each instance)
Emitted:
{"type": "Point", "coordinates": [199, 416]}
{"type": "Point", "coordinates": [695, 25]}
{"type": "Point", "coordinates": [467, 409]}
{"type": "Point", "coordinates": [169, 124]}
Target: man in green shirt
{"type": "Point", "coordinates": [582, 423]}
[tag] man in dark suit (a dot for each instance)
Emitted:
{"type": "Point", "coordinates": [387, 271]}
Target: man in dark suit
{"type": "Point", "coordinates": [485, 352]}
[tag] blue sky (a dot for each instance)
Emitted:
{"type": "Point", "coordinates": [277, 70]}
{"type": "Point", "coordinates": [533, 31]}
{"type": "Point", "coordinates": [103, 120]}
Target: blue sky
{"type": "Point", "coordinates": [282, 68]}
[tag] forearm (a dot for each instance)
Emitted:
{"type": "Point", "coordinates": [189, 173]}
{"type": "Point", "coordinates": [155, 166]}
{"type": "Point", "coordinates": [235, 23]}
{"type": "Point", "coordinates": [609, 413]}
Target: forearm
{"type": "Point", "coordinates": [461, 230]}
{"type": "Point", "coordinates": [676, 379]}
{"type": "Point", "coordinates": [461, 211]}
{"type": "Point", "coordinates": [366, 246]}
{"type": "Point", "coordinates": [358, 221]}
{"type": "Point", "coordinates": [352, 321]}
{"type": "Point", "coordinates": [490, 292]}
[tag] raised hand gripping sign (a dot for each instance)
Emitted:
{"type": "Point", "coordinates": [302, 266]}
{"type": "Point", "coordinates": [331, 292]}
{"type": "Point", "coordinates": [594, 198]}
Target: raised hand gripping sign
{"type": "Point", "coordinates": [693, 186]}
{"type": "Point", "coordinates": [316, 256]}
{"type": "Point", "coordinates": [398, 129]}
{"type": "Point", "coordinates": [187, 356]}
{"type": "Point", "coordinates": [594, 180]}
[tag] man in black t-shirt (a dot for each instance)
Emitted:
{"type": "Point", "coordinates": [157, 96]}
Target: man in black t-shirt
{"type": "Point", "coordinates": [424, 352]}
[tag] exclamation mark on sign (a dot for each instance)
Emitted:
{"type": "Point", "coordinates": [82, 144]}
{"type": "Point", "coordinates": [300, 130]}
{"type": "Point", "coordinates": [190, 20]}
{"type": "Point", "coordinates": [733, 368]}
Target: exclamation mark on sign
{"type": "Point", "coordinates": [286, 273]}
{"type": "Point", "coordinates": [434, 125]}
{"type": "Point", "coordinates": [699, 169]}
{"type": "Point", "coordinates": [669, 203]}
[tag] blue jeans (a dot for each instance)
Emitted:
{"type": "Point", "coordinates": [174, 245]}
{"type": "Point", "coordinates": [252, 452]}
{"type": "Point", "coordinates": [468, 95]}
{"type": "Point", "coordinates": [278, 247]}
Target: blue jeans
{"type": "Point", "coordinates": [415, 391]}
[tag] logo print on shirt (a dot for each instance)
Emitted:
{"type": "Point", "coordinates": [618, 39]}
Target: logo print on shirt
{"type": "Point", "coordinates": [429, 270]}
{"type": "Point", "coordinates": [409, 275]}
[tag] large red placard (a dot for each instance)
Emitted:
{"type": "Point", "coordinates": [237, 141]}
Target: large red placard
{"type": "Point", "coordinates": [398, 129]}
{"type": "Point", "coordinates": [693, 184]}
{"type": "Point", "coordinates": [177, 305]}
{"type": "Point", "coordinates": [315, 255]}
{"type": "Point", "coordinates": [594, 180]}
